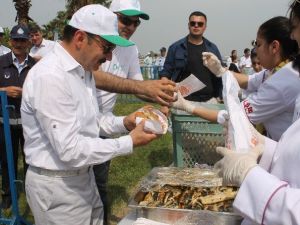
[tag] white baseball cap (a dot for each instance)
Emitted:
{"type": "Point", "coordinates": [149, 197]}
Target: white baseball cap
{"type": "Point", "coordinates": [98, 20]}
{"type": "Point", "coordinates": [128, 8]}
{"type": "Point", "coordinates": [1, 30]}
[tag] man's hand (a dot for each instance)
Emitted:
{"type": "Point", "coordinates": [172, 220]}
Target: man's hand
{"type": "Point", "coordinates": [13, 91]}
{"type": "Point", "coordinates": [129, 121]}
{"type": "Point", "coordinates": [183, 104]}
{"type": "Point", "coordinates": [141, 137]}
{"type": "Point", "coordinates": [235, 165]}
{"type": "Point", "coordinates": [165, 110]}
{"type": "Point", "coordinates": [160, 91]}
{"type": "Point", "coordinates": [213, 63]}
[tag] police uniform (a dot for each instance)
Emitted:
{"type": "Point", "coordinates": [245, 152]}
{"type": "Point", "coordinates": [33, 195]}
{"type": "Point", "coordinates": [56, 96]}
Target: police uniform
{"type": "Point", "coordinates": [10, 76]}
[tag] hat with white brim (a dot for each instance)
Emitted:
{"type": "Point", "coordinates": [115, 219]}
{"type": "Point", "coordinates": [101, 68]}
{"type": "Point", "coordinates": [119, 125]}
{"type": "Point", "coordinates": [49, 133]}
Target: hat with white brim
{"type": "Point", "coordinates": [128, 8]}
{"type": "Point", "coordinates": [98, 20]}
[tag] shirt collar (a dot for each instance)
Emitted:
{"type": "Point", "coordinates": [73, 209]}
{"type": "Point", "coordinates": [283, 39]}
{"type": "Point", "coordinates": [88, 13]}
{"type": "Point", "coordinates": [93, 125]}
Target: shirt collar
{"type": "Point", "coordinates": [68, 61]}
{"type": "Point", "coordinates": [41, 45]}
{"type": "Point", "coordinates": [15, 60]}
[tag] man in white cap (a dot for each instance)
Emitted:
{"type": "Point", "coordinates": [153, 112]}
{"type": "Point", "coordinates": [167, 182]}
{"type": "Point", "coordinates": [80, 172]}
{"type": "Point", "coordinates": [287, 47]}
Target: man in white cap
{"type": "Point", "coordinates": [61, 123]}
{"type": "Point", "coordinates": [125, 64]}
{"type": "Point", "coordinates": [3, 49]}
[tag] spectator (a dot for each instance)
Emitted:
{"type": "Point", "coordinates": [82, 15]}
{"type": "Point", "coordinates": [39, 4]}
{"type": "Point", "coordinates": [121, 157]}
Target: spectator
{"type": "Point", "coordinates": [3, 49]}
{"type": "Point", "coordinates": [41, 46]}
{"type": "Point", "coordinates": [161, 59]}
{"type": "Point", "coordinates": [14, 67]}
{"type": "Point", "coordinates": [185, 58]}
{"type": "Point", "coordinates": [229, 60]}
{"type": "Point", "coordinates": [148, 63]}
{"type": "Point", "coordinates": [234, 64]}
{"type": "Point", "coordinates": [245, 62]}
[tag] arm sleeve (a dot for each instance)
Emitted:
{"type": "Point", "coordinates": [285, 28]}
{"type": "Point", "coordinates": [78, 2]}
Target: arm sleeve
{"type": "Point", "coordinates": [266, 158]}
{"type": "Point", "coordinates": [255, 80]}
{"type": "Point", "coordinates": [265, 199]}
{"type": "Point", "coordinates": [267, 102]}
{"type": "Point", "coordinates": [57, 117]}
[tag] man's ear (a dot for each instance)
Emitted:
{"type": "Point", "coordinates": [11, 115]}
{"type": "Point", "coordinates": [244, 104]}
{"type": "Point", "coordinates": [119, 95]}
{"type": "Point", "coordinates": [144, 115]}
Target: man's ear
{"type": "Point", "coordinates": [80, 37]}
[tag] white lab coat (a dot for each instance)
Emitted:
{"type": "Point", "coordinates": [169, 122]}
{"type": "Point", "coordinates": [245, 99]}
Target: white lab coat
{"type": "Point", "coordinates": [270, 193]}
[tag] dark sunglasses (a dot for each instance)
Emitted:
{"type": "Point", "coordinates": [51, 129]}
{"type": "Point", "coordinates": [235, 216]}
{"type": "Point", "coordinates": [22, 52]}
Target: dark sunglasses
{"type": "Point", "coordinates": [107, 48]}
{"type": "Point", "coordinates": [194, 23]}
{"type": "Point", "coordinates": [127, 21]}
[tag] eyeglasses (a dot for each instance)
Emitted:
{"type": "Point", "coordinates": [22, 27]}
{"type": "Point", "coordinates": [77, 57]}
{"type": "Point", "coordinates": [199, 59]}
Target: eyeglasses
{"type": "Point", "coordinates": [107, 48]}
{"type": "Point", "coordinates": [194, 23]}
{"type": "Point", "coordinates": [127, 21]}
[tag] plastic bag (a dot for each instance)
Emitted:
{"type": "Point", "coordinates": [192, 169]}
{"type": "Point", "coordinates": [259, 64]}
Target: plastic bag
{"type": "Point", "coordinates": [156, 121]}
{"type": "Point", "coordinates": [241, 134]}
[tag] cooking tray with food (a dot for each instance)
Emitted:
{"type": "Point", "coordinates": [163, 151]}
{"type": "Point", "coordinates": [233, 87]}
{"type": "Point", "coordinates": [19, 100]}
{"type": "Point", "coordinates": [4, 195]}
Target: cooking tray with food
{"type": "Point", "coordinates": [173, 192]}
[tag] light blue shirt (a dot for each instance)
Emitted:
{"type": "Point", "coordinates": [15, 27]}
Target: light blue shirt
{"type": "Point", "coordinates": [20, 66]}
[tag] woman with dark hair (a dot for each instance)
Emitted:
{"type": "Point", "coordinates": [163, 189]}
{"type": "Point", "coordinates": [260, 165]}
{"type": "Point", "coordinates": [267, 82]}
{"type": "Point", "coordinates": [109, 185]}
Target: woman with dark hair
{"type": "Point", "coordinates": [269, 192]}
{"type": "Point", "coordinates": [273, 91]}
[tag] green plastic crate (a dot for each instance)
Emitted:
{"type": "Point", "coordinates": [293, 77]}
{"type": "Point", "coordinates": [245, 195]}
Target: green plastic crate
{"type": "Point", "coordinates": [195, 139]}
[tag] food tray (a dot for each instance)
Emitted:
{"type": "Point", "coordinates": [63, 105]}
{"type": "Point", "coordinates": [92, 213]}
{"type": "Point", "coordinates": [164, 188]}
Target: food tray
{"type": "Point", "coordinates": [179, 176]}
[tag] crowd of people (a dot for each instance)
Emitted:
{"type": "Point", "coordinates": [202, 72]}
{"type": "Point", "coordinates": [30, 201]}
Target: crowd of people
{"type": "Point", "coordinates": [64, 94]}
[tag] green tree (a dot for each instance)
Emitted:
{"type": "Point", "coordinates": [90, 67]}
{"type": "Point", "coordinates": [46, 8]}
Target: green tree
{"type": "Point", "coordinates": [22, 7]}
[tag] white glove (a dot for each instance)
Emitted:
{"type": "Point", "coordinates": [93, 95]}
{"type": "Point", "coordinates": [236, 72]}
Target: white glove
{"type": "Point", "coordinates": [235, 165]}
{"type": "Point", "coordinates": [183, 104]}
{"type": "Point", "coordinates": [213, 63]}
{"type": "Point", "coordinates": [223, 118]}
{"type": "Point", "coordinates": [212, 101]}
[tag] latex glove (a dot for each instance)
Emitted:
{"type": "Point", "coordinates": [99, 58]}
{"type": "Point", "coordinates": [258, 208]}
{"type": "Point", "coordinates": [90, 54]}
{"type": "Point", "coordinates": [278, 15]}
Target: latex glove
{"type": "Point", "coordinates": [223, 118]}
{"type": "Point", "coordinates": [212, 101]}
{"type": "Point", "coordinates": [234, 166]}
{"type": "Point", "coordinates": [183, 104]}
{"type": "Point", "coordinates": [213, 63]}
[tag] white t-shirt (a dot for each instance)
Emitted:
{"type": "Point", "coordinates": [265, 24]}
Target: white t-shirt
{"type": "Point", "coordinates": [45, 47]}
{"type": "Point", "coordinates": [124, 63]}
{"type": "Point", "coordinates": [4, 50]}
{"type": "Point", "coordinates": [246, 62]}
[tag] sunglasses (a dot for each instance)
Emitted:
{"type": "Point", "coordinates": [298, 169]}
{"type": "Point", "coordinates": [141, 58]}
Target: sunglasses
{"type": "Point", "coordinates": [127, 21]}
{"type": "Point", "coordinates": [107, 48]}
{"type": "Point", "coordinates": [194, 23]}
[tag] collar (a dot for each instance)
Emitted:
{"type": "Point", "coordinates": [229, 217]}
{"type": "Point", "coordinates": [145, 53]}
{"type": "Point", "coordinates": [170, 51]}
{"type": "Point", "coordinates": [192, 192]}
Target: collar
{"type": "Point", "coordinates": [43, 44]}
{"type": "Point", "coordinates": [67, 61]}
{"type": "Point", "coordinates": [15, 60]}
{"type": "Point", "coordinates": [280, 65]}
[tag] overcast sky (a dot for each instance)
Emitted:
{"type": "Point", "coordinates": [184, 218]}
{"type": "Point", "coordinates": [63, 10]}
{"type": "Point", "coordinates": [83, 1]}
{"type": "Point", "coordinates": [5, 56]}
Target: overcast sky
{"type": "Point", "coordinates": [232, 24]}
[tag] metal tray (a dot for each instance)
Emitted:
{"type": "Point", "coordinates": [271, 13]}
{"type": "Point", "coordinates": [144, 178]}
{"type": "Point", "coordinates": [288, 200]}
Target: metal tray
{"type": "Point", "coordinates": [173, 215]}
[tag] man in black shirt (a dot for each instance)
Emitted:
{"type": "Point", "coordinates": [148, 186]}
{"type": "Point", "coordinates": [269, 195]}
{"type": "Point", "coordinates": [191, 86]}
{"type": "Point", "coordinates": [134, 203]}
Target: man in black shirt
{"type": "Point", "coordinates": [185, 57]}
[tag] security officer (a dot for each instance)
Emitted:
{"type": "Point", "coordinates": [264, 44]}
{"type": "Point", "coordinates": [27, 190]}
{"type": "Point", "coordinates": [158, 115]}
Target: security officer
{"type": "Point", "coordinates": [14, 67]}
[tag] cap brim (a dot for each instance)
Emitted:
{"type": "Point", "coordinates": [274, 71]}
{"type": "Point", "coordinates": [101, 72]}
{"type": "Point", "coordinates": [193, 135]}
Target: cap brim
{"type": "Point", "coordinates": [18, 37]}
{"type": "Point", "coordinates": [117, 40]}
{"type": "Point", "coordinates": [133, 12]}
